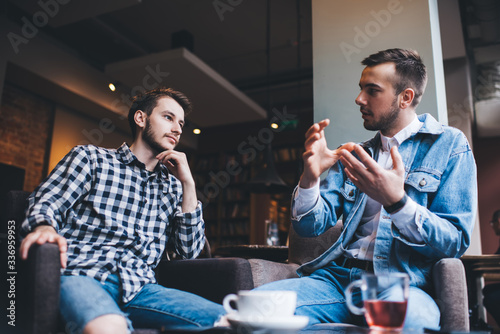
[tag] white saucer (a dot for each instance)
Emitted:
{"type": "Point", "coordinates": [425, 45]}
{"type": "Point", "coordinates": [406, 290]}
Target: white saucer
{"type": "Point", "coordinates": [289, 323]}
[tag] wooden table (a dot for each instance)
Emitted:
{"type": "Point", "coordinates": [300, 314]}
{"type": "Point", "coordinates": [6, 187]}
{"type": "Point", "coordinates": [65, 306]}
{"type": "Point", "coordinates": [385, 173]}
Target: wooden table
{"type": "Point", "coordinates": [478, 269]}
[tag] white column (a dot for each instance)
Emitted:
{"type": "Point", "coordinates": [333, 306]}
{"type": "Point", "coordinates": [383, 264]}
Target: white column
{"type": "Point", "coordinates": [345, 32]}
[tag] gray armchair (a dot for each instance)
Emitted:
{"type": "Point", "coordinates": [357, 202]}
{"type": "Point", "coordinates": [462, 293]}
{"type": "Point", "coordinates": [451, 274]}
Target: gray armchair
{"type": "Point", "coordinates": [38, 279]}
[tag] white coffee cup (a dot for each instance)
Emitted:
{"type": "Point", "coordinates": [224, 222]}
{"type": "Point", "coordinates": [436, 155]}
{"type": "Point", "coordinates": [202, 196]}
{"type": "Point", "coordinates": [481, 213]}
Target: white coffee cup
{"type": "Point", "coordinates": [261, 305]}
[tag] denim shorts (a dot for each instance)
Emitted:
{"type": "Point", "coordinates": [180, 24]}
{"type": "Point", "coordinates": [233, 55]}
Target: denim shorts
{"type": "Point", "coordinates": [154, 306]}
{"type": "Point", "coordinates": [84, 298]}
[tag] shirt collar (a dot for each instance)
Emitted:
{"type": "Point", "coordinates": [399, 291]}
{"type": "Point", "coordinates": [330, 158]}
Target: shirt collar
{"type": "Point", "coordinates": [128, 157]}
{"type": "Point", "coordinates": [401, 136]}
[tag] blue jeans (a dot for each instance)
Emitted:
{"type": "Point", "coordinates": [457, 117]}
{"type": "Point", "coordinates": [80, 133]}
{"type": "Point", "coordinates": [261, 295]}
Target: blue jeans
{"type": "Point", "coordinates": [320, 296]}
{"type": "Point", "coordinates": [84, 299]}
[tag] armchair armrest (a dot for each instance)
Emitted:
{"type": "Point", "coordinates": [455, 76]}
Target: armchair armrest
{"type": "Point", "coordinates": [451, 294]}
{"type": "Point", "coordinates": [264, 271]}
{"type": "Point", "coordinates": [39, 285]}
{"type": "Point", "coordinates": [211, 278]}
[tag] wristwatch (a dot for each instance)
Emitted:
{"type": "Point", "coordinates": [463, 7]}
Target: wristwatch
{"type": "Point", "coordinates": [396, 206]}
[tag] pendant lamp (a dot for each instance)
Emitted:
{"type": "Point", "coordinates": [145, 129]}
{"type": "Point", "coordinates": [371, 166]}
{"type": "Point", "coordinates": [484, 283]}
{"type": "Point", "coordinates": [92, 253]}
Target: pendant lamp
{"type": "Point", "coordinates": [267, 179]}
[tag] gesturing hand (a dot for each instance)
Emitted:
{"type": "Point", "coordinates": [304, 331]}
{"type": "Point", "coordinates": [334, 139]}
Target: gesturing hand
{"type": "Point", "coordinates": [382, 185]}
{"type": "Point", "coordinates": [317, 157]}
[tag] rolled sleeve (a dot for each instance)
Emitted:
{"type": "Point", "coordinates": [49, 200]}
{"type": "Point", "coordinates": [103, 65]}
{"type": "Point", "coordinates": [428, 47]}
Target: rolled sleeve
{"type": "Point", "coordinates": [304, 200]}
{"type": "Point", "coordinates": [190, 233]}
{"type": "Point", "coordinates": [404, 220]}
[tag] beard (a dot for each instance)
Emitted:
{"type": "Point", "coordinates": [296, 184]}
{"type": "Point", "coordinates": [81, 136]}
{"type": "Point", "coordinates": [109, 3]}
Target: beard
{"type": "Point", "coordinates": [148, 138]}
{"type": "Point", "coordinates": [386, 120]}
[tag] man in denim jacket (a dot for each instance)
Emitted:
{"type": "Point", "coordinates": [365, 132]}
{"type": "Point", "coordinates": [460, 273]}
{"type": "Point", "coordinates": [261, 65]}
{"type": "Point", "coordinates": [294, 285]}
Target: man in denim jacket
{"type": "Point", "coordinates": [407, 197]}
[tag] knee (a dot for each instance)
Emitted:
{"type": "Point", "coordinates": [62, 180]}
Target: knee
{"type": "Point", "coordinates": [422, 312]}
{"type": "Point", "coordinates": [107, 324]}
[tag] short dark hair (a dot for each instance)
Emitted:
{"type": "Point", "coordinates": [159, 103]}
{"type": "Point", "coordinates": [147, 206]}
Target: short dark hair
{"type": "Point", "coordinates": [148, 101]}
{"type": "Point", "coordinates": [410, 70]}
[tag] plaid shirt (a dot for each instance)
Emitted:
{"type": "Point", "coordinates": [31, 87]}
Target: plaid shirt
{"type": "Point", "coordinates": [116, 216]}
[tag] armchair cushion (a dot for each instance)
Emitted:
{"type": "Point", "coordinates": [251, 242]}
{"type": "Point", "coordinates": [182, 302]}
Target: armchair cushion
{"type": "Point", "coordinates": [303, 249]}
{"type": "Point", "coordinates": [264, 271]}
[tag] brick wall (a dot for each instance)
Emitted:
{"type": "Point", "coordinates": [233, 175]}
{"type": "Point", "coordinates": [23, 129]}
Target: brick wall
{"type": "Point", "coordinates": [25, 133]}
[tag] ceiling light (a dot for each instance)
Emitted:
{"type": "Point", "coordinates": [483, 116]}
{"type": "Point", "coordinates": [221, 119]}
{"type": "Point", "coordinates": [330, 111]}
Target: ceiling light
{"type": "Point", "coordinates": [196, 131]}
{"type": "Point", "coordinates": [274, 125]}
{"type": "Point", "coordinates": [111, 87]}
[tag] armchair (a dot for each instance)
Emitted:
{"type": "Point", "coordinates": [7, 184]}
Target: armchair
{"type": "Point", "coordinates": [38, 279]}
{"type": "Point", "coordinates": [450, 285]}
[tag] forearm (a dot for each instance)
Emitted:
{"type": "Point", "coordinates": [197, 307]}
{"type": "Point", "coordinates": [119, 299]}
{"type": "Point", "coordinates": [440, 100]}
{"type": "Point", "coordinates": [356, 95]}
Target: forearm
{"type": "Point", "coordinates": [309, 221]}
{"type": "Point", "coordinates": [444, 235]}
{"type": "Point", "coordinates": [445, 218]}
{"type": "Point", "coordinates": [191, 244]}
{"type": "Point", "coordinates": [189, 198]}
{"type": "Point", "coordinates": [189, 232]}
{"type": "Point", "coordinates": [404, 219]}
{"type": "Point", "coordinates": [304, 200]}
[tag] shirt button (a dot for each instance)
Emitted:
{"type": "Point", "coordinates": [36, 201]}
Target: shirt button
{"type": "Point", "coordinates": [351, 193]}
{"type": "Point", "coordinates": [422, 182]}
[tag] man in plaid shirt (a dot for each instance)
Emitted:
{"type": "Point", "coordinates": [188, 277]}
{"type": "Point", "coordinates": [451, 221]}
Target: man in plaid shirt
{"type": "Point", "coordinates": [112, 212]}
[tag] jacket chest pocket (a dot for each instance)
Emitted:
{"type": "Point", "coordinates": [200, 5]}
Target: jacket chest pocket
{"type": "Point", "coordinates": [423, 181]}
{"type": "Point", "coordinates": [349, 191]}
{"type": "Point", "coordinates": [424, 186]}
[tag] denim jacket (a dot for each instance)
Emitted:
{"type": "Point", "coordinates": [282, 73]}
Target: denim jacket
{"type": "Point", "coordinates": [440, 176]}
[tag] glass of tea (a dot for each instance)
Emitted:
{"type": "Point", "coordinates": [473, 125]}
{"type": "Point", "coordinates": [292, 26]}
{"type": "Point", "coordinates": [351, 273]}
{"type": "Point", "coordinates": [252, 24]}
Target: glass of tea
{"type": "Point", "coordinates": [385, 298]}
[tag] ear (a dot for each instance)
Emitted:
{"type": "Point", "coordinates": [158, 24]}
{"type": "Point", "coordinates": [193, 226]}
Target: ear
{"type": "Point", "coordinates": [406, 98]}
{"type": "Point", "coordinates": [140, 119]}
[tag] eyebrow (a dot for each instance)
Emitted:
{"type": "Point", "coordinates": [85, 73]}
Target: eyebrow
{"type": "Point", "coordinates": [372, 85]}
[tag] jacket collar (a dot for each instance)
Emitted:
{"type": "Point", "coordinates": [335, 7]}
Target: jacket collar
{"type": "Point", "coordinates": [431, 125]}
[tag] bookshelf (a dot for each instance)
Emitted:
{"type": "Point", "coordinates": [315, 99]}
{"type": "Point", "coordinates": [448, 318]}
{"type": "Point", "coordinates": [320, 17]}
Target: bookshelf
{"type": "Point", "coordinates": [233, 215]}
{"type": "Point", "coordinates": [224, 162]}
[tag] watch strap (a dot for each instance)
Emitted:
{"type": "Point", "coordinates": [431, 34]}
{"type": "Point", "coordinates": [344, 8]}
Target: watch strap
{"type": "Point", "coordinates": [396, 206]}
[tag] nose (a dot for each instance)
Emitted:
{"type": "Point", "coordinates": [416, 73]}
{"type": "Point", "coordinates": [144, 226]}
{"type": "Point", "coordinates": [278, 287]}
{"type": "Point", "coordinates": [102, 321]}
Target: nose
{"type": "Point", "coordinates": [177, 128]}
{"type": "Point", "coordinates": [360, 100]}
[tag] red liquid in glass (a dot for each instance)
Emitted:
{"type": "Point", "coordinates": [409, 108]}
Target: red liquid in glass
{"type": "Point", "coordinates": [384, 314]}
